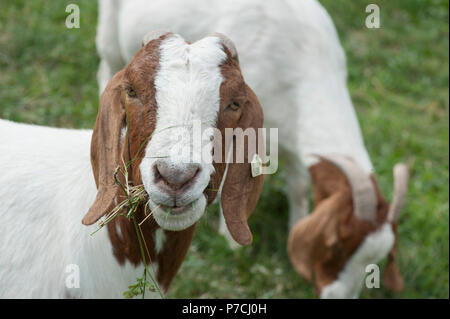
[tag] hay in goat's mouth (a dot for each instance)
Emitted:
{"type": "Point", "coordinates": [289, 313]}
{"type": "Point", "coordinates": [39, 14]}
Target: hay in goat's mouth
{"type": "Point", "coordinates": [134, 196]}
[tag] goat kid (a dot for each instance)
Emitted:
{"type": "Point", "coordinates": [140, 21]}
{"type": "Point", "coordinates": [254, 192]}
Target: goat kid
{"type": "Point", "coordinates": [48, 183]}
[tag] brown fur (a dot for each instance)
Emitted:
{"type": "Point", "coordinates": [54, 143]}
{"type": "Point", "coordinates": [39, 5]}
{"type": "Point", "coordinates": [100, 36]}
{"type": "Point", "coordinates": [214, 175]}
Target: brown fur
{"type": "Point", "coordinates": [392, 277]}
{"type": "Point", "coordinates": [322, 243]}
{"type": "Point", "coordinates": [241, 191]}
{"type": "Point", "coordinates": [116, 110]}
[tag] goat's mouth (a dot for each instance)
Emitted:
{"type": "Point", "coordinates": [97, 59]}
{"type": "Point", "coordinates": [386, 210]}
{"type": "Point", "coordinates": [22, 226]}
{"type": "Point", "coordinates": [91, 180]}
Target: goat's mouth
{"type": "Point", "coordinates": [175, 210]}
{"type": "Point", "coordinates": [176, 218]}
{"type": "Point", "coordinates": [179, 210]}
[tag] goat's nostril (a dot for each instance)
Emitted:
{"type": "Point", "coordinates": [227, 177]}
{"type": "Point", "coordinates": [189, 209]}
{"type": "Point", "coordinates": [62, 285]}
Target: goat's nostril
{"type": "Point", "coordinates": [175, 176]}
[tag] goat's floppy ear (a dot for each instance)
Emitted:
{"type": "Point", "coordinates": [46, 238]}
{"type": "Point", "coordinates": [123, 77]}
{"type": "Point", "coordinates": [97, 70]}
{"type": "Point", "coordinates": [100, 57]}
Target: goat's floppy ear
{"type": "Point", "coordinates": [241, 191]}
{"type": "Point", "coordinates": [312, 235]}
{"type": "Point", "coordinates": [106, 149]}
{"type": "Point", "coordinates": [392, 277]}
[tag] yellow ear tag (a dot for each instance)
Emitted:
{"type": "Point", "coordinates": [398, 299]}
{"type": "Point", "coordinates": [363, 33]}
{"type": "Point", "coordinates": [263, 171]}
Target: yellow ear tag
{"type": "Point", "coordinates": [257, 165]}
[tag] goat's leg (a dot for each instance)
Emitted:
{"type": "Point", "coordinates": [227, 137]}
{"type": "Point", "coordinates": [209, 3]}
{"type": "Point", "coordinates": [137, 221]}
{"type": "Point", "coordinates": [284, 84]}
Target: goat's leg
{"type": "Point", "coordinates": [107, 42]}
{"type": "Point", "coordinates": [104, 74]}
{"type": "Point", "coordinates": [297, 190]}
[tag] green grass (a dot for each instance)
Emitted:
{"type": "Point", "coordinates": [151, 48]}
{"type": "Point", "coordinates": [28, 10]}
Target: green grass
{"type": "Point", "coordinates": [398, 79]}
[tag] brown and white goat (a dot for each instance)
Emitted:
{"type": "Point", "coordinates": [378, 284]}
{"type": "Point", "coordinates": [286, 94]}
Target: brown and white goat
{"type": "Point", "coordinates": [168, 85]}
{"type": "Point", "coordinates": [351, 227]}
{"type": "Point", "coordinates": [154, 107]}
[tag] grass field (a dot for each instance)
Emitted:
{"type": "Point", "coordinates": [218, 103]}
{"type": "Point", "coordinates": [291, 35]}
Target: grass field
{"type": "Point", "coordinates": [398, 78]}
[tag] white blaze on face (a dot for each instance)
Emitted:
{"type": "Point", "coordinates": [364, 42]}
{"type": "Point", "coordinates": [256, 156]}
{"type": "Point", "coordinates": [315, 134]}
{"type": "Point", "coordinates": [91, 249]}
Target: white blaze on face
{"type": "Point", "coordinates": [187, 94]}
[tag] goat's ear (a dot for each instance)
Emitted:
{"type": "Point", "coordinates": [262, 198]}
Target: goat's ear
{"type": "Point", "coordinates": [226, 42]}
{"type": "Point", "coordinates": [313, 236]}
{"type": "Point", "coordinates": [241, 191]}
{"type": "Point", "coordinates": [153, 35]}
{"type": "Point", "coordinates": [106, 149]}
{"type": "Point", "coordinates": [392, 277]}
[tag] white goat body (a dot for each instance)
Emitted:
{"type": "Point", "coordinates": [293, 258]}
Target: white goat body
{"type": "Point", "coordinates": [47, 187]}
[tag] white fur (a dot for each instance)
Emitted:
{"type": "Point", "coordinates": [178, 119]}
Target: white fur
{"type": "Point", "coordinates": [182, 221]}
{"type": "Point", "coordinates": [46, 188]}
{"type": "Point", "coordinates": [188, 97]}
{"type": "Point", "coordinates": [350, 280]}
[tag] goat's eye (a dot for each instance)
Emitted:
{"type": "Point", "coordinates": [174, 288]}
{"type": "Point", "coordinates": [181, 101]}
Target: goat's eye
{"type": "Point", "coordinates": [234, 106]}
{"type": "Point", "coordinates": [131, 92]}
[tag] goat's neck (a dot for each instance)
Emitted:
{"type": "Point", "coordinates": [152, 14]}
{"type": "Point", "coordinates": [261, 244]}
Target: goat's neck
{"type": "Point", "coordinates": [167, 251]}
{"type": "Point", "coordinates": [327, 180]}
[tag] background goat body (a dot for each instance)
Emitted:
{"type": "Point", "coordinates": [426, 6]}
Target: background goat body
{"type": "Point", "coordinates": [300, 79]}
